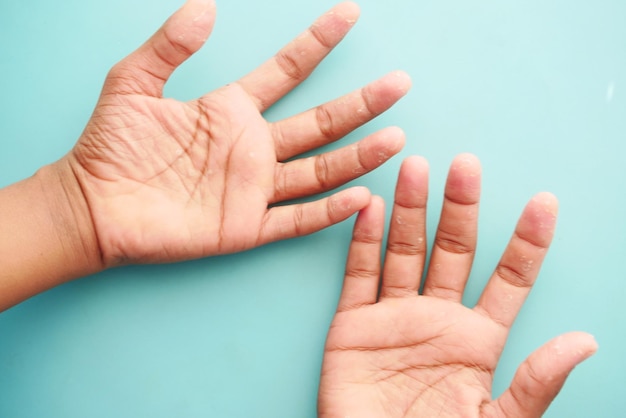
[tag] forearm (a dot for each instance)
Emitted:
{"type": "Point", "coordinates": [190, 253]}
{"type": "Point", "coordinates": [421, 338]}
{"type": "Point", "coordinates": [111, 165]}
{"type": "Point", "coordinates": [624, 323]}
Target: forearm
{"type": "Point", "coordinates": [46, 234]}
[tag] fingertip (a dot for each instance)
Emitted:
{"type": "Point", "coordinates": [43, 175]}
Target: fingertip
{"type": "Point", "coordinates": [582, 345]}
{"type": "Point", "coordinates": [202, 6]}
{"type": "Point", "coordinates": [413, 174]}
{"type": "Point", "coordinates": [349, 10]}
{"type": "Point", "coordinates": [546, 202]}
{"type": "Point", "coordinates": [412, 186]}
{"type": "Point", "coordinates": [370, 221]}
{"type": "Point", "coordinates": [402, 76]}
{"type": "Point", "coordinates": [468, 163]}
{"type": "Point", "coordinates": [400, 81]}
{"type": "Point", "coordinates": [381, 146]}
{"type": "Point", "coordinates": [538, 220]}
{"type": "Point", "coordinates": [384, 92]}
{"type": "Point", "coordinates": [360, 193]}
{"type": "Point", "coordinates": [377, 202]}
{"type": "Point", "coordinates": [195, 19]}
{"type": "Point", "coordinates": [336, 22]}
{"type": "Point", "coordinates": [563, 353]}
{"type": "Point", "coordinates": [395, 137]}
{"type": "Point", "coordinates": [464, 178]}
{"type": "Point", "coordinates": [415, 163]}
{"type": "Point", "coordinates": [349, 201]}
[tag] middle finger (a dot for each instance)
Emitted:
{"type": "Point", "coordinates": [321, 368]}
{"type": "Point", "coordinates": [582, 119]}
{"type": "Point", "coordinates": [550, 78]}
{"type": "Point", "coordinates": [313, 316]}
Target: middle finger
{"type": "Point", "coordinates": [455, 241]}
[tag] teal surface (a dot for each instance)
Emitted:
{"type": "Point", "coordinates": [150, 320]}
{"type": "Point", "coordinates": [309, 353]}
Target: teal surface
{"type": "Point", "coordinates": [537, 89]}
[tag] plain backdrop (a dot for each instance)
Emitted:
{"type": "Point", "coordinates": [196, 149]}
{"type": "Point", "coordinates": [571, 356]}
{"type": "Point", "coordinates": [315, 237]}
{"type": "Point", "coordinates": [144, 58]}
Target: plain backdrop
{"type": "Point", "coordinates": [535, 88]}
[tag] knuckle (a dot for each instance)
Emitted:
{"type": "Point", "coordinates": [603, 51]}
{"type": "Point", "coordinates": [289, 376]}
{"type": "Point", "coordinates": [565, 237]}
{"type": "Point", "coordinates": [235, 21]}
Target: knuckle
{"type": "Point", "coordinates": [182, 48]}
{"type": "Point", "coordinates": [319, 36]}
{"type": "Point", "coordinates": [513, 276]}
{"type": "Point", "coordinates": [444, 291]}
{"type": "Point", "coordinates": [120, 78]}
{"type": "Point", "coordinates": [278, 135]}
{"type": "Point", "coordinates": [367, 101]}
{"type": "Point", "coordinates": [281, 185]}
{"type": "Point", "coordinates": [298, 219]}
{"type": "Point", "coordinates": [322, 172]}
{"type": "Point", "coordinates": [405, 248]}
{"type": "Point", "coordinates": [366, 237]}
{"type": "Point", "coordinates": [289, 65]}
{"type": "Point", "coordinates": [361, 272]}
{"type": "Point", "coordinates": [452, 245]}
{"type": "Point", "coordinates": [325, 122]}
{"type": "Point", "coordinates": [534, 379]}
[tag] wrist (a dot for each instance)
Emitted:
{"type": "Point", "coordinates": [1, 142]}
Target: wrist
{"type": "Point", "coordinates": [71, 219]}
{"type": "Point", "coordinates": [46, 234]}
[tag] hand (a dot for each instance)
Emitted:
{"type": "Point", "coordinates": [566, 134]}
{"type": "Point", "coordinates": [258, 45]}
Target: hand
{"type": "Point", "coordinates": [397, 353]}
{"type": "Point", "coordinates": [166, 180]}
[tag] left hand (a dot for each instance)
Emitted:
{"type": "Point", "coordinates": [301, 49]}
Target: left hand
{"type": "Point", "coordinates": [166, 180]}
{"type": "Point", "coordinates": [401, 354]}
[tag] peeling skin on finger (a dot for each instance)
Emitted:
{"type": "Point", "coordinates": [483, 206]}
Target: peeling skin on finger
{"type": "Point", "coordinates": [200, 16]}
{"type": "Point", "coordinates": [558, 350]}
{"type": "Point", "coordinates": [546, 202]}
{"type": "Point", "coordinates": [382, 157]}
{"type": "Point", "coordinates": [341, 203]}
{"type": "Point", "coordinates": [527, 264]}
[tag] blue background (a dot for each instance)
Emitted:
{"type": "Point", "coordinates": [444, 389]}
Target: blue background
{"type": "Point", "coordinates": [535, 88]}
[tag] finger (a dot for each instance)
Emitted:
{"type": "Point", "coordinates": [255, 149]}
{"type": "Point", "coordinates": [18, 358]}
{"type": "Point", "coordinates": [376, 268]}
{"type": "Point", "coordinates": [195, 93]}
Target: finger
{"type": "Point", "coordinates": [519, 266]}
{"type": "Point", "coordinates": [146, 70]}
{"type": "Point", "coordinates": [540, 377]}
{"type": "Point", "coordinates": [332, 121]}
{"type": "Point", "coordinates": [406, 243]}
{"type": "Point", "coordinates": [360, 285]}
{"type": "Point", "coordinates": [292, 64]}
{"type": "Point", "coordinates": [455, 241]}
{"type": "Point", "coordinates": [323, 172]}
{"type": "Point", "coordinates": [282, 222]}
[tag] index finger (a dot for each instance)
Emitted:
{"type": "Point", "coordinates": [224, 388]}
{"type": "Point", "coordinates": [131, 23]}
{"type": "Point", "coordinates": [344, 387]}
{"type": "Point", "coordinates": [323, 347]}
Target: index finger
{"type": "Point", "coordinates": [297, 60]}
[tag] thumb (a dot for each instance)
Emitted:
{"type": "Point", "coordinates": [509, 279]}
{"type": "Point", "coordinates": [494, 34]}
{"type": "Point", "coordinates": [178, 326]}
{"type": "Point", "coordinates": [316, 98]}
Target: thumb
{"type": "Point", "coordinates": [540, 377]}
{"type": "Point", "coordinates": [146, 70]}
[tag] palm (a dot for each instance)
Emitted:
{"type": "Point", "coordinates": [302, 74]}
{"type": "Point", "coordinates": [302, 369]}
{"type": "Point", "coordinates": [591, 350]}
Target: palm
{"type": "Point", "coordinates": [406, 354]}
{"type": "Point", "coordinates": [167, 180]}
{"type": "Point", "coordinates": [203, 170]}
{"type": "Point", "coordinates": [392, 352]}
